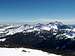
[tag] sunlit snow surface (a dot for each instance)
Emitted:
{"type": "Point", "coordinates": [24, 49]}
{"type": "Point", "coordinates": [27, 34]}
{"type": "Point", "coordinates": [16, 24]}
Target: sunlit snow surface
{"type": "Point", "coordinates": [19, 52]}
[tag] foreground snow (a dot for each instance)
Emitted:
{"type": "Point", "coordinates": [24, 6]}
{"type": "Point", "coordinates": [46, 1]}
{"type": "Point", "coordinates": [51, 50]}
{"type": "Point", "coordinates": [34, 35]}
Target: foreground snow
{"type": "Point", "coordinates": [27, 52]}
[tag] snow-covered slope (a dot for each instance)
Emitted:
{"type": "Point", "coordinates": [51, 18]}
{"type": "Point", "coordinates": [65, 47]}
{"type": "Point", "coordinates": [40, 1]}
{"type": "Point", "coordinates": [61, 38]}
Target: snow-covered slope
{"type": "Point", "coordinates": [27, 52]}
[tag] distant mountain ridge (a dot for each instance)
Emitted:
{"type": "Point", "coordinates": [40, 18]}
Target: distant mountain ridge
{"type": "Point", "coordinates": [12, 29]}
{"type": "Point", "coordinates": [52, 35]}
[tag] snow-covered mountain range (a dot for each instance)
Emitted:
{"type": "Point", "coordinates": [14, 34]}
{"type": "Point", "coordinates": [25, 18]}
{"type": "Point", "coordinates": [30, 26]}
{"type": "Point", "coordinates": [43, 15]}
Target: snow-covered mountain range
{"type": "Point", "coordinates": [10, 29]}
{"type": "Point", "coordinates": [51, 35]}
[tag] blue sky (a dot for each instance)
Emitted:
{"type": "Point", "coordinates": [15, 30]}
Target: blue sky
{"type": "Point", "coordinates": [37, 10]}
